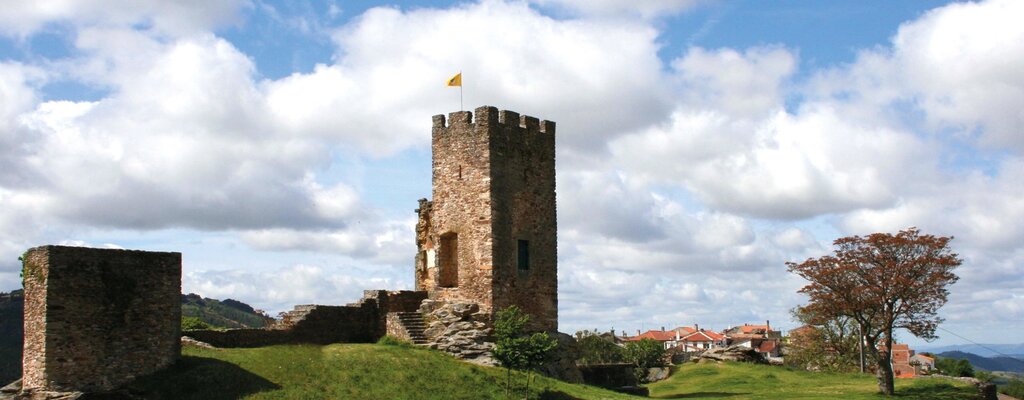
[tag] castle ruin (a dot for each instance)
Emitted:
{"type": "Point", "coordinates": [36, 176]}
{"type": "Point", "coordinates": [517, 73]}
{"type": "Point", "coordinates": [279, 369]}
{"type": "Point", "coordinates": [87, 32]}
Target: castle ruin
{"type": "Point", "coordinates": [97, 318]}
{"type": "Point", "coordinates": [489, 234]}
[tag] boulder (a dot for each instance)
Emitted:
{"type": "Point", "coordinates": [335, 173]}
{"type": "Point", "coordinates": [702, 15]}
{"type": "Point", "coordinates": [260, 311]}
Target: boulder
{"type": "Point", "coordinates": [464, 309]}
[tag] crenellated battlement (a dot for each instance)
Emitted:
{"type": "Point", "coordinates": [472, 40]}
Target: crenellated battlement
{"type": "Point", "coordinates": [490, 116]}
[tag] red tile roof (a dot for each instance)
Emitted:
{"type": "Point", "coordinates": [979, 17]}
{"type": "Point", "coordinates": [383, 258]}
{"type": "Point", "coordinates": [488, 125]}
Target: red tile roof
{"type": "Point", "coordinates": [746, 336]}
{"type": "Point", "coordinates": [754, 328]}
{"type": "Point", "coordinates": [703, 336]}
{"type": "Point", "coordinates": [697, 337]}
{"type": "Point", "coordinates": [684, 330]}
{"type": "Point", "coordinates": [766, 346]}
{"type": "Point", "coordinates": [661, 336]}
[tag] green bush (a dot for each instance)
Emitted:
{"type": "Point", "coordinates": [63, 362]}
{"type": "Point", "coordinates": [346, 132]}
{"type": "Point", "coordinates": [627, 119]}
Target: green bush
{"type": "Point", "coordinates": [596, 349]}
{"type": "Point", "coordinates": [193, 324]}
{"type": "Point", "coordinates": [954, 367]}
{"type": "Point", "coordinates": [393, 341]}
{"type": "Point", "coordinates": [984, 376]}
{"type": "Point", "coordinates": [646, 353]}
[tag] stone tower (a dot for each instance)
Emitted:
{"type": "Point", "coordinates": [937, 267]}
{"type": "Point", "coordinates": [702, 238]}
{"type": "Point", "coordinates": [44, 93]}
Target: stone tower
{"type": "Point", "coordinates": [489, 235]}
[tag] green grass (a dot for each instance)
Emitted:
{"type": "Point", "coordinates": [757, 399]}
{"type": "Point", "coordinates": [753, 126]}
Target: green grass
{"type": "Point", "coordinates": [737, 381]}
{"type": "Point", "coordinates": [342, 371]}
{"type": "Point", "coordinates": [379, 371]}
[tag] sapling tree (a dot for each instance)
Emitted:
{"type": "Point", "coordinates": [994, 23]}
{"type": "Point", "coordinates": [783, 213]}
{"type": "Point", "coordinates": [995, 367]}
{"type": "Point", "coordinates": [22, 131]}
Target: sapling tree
{"type": "Point", "coordinates": [518, 349]}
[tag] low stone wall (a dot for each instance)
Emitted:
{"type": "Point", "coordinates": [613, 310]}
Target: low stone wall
{"type": "Point", "coordinates": [610, 376]}
{"type": "Point", "coordinates": [240, 337]}
{"type": "Point", "coordinates": [394, 328]}
{"type": "Point", "coordinates": [986, 390]}
{"type": "Point", "coordinates": [362, 322]}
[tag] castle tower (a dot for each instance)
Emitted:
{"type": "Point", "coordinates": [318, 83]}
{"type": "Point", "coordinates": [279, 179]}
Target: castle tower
{"type": "Point", "coordinates": [489, 235]}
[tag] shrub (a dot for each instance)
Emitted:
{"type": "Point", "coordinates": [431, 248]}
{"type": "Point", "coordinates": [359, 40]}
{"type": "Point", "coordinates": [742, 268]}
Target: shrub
{"type": "Point", "coordinates": [193, 324]}
{"type": "Point", "coordinates": [954, 367]}
{"type": "Point", "coordinates": [596, 349]}
{"type": "Point", "coordinates": [644, 354]}
{"type": "Point", "coordinates": [393, 341]}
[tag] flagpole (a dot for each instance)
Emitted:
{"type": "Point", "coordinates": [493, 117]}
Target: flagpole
{"type": "Point", "coordinates": [461, 107]}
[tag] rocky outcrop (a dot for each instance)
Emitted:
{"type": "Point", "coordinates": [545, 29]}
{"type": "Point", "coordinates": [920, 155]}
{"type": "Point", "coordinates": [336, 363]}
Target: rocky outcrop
{"type": "Point", "coordinates": [732, 353]}
{"type": "Point", "coordinates": [460, 329]}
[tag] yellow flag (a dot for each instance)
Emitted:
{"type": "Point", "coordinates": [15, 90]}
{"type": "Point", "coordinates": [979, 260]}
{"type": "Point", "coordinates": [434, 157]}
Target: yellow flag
{"type": "Point", "coordinates": [455, 80]}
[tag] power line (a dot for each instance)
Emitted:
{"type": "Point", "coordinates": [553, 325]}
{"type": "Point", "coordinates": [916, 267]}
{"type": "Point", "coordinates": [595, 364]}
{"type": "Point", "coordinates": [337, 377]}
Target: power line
{"type": "Point", "coordinates": [978, 344]}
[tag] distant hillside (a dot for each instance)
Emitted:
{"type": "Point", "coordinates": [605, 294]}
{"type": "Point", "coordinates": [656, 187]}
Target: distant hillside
{"type": "Point", "coordinates": [228, 313]}
{"type": "Point", "coordinates": [987, 363]}
{"type": "Point", "coordinates": [984, 350]}
{"type": "Point", "coordinates": [11, 307]}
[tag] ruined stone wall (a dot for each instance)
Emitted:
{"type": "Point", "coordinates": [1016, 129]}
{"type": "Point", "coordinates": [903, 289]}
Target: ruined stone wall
{"type": "Point", "coordinates": [362, 322]}
{"type": "Point", "coordinates": [494, 186]}
{"type": "Point", "coordinates": [97, 318]}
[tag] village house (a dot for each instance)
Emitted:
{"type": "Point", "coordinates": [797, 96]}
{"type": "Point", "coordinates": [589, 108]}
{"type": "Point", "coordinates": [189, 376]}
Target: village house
{"type": "Point", "coordinates": [922, 364]}
{"type": "Point", "coordinates": [761, 338]}
{"type": "Point", "coordinates": [702, 340]}
{"type": "Point", "coordinates": [668, 339]}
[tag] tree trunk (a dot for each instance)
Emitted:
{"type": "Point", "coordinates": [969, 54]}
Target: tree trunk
{"type": "Point", "coordinates": [885, 378]}
{"type": "Point", "coordinates": [529, 374]}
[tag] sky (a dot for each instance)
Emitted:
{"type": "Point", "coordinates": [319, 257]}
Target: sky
{"type": "Point", "coordinates": [281, 146]}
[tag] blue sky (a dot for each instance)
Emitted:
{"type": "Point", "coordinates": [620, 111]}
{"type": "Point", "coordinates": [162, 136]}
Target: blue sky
{"type": "Point", "coordinates": [281, 146]}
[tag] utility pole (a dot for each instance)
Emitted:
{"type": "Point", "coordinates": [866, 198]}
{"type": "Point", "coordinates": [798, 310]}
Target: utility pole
{"type": "Point", "coordinates": [860, 345]}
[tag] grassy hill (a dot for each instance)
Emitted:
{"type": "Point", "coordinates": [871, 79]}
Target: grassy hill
{"type": "Point", "coordinates": [342, 371]}
{"type": "Point", "coordinates": [369, 371]}
{"type": "Point", "coordinates": [749, 381]}
{"type": "Point", "coordinates": [226, 313]}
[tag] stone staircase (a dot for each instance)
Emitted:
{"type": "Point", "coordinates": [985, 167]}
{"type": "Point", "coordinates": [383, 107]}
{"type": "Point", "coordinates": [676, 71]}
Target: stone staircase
{"type": "Point", "coordinates": [414, 324]}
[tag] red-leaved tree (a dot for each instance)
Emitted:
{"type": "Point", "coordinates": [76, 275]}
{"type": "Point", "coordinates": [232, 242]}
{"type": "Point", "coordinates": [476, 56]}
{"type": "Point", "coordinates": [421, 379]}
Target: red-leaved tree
{"type": "Point", "coordinates": [883, 282]}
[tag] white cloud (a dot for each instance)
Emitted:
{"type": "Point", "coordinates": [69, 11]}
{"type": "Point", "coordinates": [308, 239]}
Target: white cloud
{"type": "Point", "coordinates": [570, 71]}
{"type": "Point", "coordinates": [387, 242]}
{"type": "Point", "coordinates": [964, 62]}
{"type": "Point", "coordinates": [747, 85]}
{"type": "Point", "coordinates": [284, 288]}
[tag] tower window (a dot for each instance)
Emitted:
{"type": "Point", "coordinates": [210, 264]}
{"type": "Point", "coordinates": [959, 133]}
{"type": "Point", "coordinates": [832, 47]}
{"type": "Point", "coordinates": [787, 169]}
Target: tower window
{"type": "Point", "coordinates": [523, 260]}
{"type": "Point", "coordinates": [448, 272]}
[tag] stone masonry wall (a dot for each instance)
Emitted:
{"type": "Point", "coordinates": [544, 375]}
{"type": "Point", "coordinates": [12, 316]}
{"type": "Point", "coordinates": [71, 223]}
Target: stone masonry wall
{"type": "Point", "coordinates": [461, 206]}
{"type": "Point", "coordinates": [493, 186]}
{"type": "Point", "coordinates": [97, 318]}
{"type": "Point", "coordinates": [523, 190]}
{"type": "Point", "coordinates": [361, 322]}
